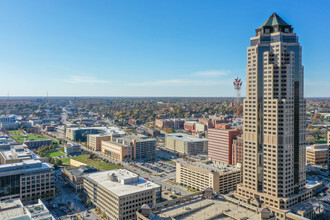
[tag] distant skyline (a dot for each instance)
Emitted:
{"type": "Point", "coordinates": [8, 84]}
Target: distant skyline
{"type": "Point", "coordinates": [148, 48]}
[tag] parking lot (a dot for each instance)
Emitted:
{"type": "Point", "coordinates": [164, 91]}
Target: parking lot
{"type": "Point", "coordinates": [157, 168]}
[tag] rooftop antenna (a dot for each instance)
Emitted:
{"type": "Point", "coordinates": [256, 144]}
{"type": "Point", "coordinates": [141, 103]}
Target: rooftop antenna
{"type": "Point", "coordinates": [237, 85]}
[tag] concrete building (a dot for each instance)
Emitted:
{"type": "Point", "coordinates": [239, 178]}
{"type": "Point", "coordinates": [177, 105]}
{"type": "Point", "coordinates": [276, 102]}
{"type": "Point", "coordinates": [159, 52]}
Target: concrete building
{"type": "Point", "coordinates": [13, 209]}
{"type": "Point", "coordinates": [75, 176]}
{"type": "Point", "coordinates": [199, 176]}
{"type": "Point", "coordinates": [237, 150]}
{"type": "Point", "coordinates": [81, 133]}
{"type": "Point", "coordinates": [186, 144]}
{"type": "Point", "coordinates": [29, 180]}
{"type": "Point", "coordinates": [317, 154]}
{"type": "Point", "coordinates": [220, 144]}
{"type": "Point", "coordinates": [117, 151]}
{"type": "Point", "coordinates": [274, 166]}
{"type": "Point", "coordinates": [129, 147]}
{"type": "Point", "coordinates": [34, 144]}
{"type": "Point", "coordinates": [143, 146]}
{"type": "Point", "coordinates": [120, 193]}
{"type": "Point", "coordinates": [94, 141]}
{"type": "Point", "coordinates": [16, 154]}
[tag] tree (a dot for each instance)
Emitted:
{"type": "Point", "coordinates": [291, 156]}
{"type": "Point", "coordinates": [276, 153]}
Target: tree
{"type": "Point", "coordinates": [58, 162]}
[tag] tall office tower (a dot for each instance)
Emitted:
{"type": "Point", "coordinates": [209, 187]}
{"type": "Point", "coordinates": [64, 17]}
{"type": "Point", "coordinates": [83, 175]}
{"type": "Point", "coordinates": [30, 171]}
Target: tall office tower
{"type": "Point", "coordinates": [274, 120]}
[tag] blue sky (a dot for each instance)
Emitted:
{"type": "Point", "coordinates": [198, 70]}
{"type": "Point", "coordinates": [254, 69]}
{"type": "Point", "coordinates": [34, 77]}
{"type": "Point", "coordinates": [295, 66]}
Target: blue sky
{"type": "Point", "coordinates": [148, 47]}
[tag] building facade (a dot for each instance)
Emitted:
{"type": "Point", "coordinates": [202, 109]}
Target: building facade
{"type": "Point", "coordinates": [186, 144]}
{"type": "Point", "coordinates": [199, 176]}
{"type": "Point", "coordinates": [75, 176]}
{"type": "Point", "coordinates": [120, 193]}
{"type": "Point", "coordinates": [237, 150]}
{"type": "Point", "coordinates": [317, 154]}
{"type": "Point", "coordinates": [220, 144]}
{"type": "Point", "coordinates": [29, 180]}
{"type": "Point", "coordinates": [94, 141]}
{"type": "Point", "coordinates": [34, 144]}
{"type": "Point", "coordinates": [274, 121]}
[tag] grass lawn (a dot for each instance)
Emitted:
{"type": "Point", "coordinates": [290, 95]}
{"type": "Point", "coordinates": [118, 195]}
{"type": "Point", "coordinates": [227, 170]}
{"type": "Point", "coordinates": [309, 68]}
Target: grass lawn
{"type": "Point", "coordinates": [28, 137]}
{"type": "Point", "coordinates": [168, 160]}
{"type": "Point", "coordinates": [54, 153]}
{"type": "Point", "coordinates": [65, 161]}
{"type": "Point", "coordinates": [94, 163]}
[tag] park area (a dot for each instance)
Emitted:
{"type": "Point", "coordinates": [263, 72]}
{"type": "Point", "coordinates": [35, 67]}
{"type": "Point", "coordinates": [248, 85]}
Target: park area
{"type": "Point", "coordinates": [53, 153]}
{"type": "Point", "coordinates": [99, 164]}
{"type": "Point", "coordinates": [20, 138]}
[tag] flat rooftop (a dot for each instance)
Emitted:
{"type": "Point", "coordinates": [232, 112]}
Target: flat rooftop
{"type": "Point", "coordinates": [82, 170]}
{"type": "Point", "coordinates": [19, 152]}
{"type": "Point", "coordinates": [26, 165]}
{"type": "Point", "coordinates": [11, 208]}
{"type": "Point", "coordinates": [220, 168]}
{"type": "Point", "coordinates": [106, 130]}
{"type": "Point", "coordinates": [317, 149]}
{"type": "Point", "coordinates": [185, 137]}
{"type": "Point", "coordinates": [121, 182]}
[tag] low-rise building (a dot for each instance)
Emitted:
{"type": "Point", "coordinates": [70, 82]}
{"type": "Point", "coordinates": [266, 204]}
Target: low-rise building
{"type": "Point", "coordinates": [120, 193]}
{"type": "Point", "coordinates": [16, 154]}
{"type": "Point", "coordinates": [317, 154]}
{"type": "Point", "coordinates": [75, 176]}
{"type": "Point", "coordinates": [13, 209]}
{"type": "Point", "coordinates": [34, 144]}
{"type": "Point", "coordinates": [199, 176]}
{"type": "Point", "coordinates": [29, 180]}
{"type": "Point", "coordinates": [72, 149]}
{"type": "Point", "coordinates": [186, 144]}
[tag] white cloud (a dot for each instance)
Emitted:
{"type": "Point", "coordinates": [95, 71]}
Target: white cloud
{"type": "Point", "coordinates": [74, 79]}
{"type": "Point", "coordinates": [180, 82]}
{"type": "Point", "coordinates": [211, 73]}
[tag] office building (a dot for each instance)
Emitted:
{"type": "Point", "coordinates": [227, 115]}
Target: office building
{"type": "Point", "coordinates": [237, 150]}
{"type": "Point", "coordinates": [317, 154]}
{"type": "Point", "coordinates": [94, 141]}
{"type": "Point", "coordinates": [120, 193]}
{"type": "Point", "coordinates": [75, 176]}
{"type": "Point", "coordinates": [220, 144]}
{"type": "Point", "coordinates": [35, 144]}
{"type": "Point", "coordinates": [29, 181]}
{"type": "Point", "coordinates": [81, 133]}
{"type": "Point", "coordinates": [143, 147]}
{"type": "Point", "coordinates": [117, 151]}
{"type": "Point", "coordinates": [13, 209]}
{"type": "Point", "coordinates": [16, 154]}
{"type": "Point", "coordinates": [274, 164]}
{"type": "Point", "coordinates": [186, 144]}
{"type": "Point", "coordinates": [129, 147]}
{"type": "Point", "coordinates": [199, 176]}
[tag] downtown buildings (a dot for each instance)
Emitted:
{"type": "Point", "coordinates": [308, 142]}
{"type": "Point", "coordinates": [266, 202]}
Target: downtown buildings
{"type": "Point", "coordinates": [274, 121]}
{"type": "Point", "coordinates": [29, 181]}
{"type": "Point", "coordinates": [120, 193]}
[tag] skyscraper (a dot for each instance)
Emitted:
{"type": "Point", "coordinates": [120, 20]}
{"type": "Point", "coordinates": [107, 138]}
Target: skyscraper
{"type": "Point", "coordinates": [274, 120]}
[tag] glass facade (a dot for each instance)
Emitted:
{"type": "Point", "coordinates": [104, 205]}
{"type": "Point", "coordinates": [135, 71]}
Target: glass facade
{"type": "Point", "coordinates": [9, 185]}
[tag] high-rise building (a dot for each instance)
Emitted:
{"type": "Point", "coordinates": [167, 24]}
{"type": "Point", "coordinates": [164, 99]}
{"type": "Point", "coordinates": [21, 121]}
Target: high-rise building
{"type": "Point", "coordinates": [274, 120]}
{"type": "Point", "coordinates": [220, 144]}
